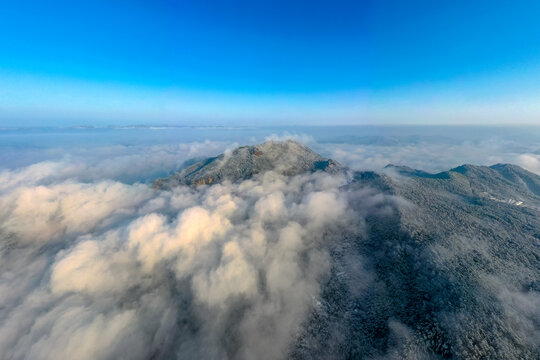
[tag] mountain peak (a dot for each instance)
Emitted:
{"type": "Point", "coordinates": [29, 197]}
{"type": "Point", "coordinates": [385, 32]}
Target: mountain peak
{"type": "Point", "coordinates": [286, 157]}
{"type": "Point", "coordinates": [410, 172]}
{"type": "Point", "coordinates": [466, 168]}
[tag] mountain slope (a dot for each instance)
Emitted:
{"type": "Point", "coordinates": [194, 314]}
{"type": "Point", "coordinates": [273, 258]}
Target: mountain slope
{"type": "Point", "coordinates": [457, 273]}
{"type": "Point", "coordinates": [500, 182]}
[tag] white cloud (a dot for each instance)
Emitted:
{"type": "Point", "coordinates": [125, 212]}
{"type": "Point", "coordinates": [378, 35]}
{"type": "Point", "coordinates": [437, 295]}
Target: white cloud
{"type": "Point", "coordinates": [434, 156]}
{"type": "Point", "coordinates": [93, 267]}
{"type": "Point", "coordinates": [530, 162]}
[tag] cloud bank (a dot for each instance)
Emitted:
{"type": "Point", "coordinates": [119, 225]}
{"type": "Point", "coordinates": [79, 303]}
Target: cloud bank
{"type": "Point", "coordinates": [104, 269]}
{"type": "Point", "coordinates": [434, 155]}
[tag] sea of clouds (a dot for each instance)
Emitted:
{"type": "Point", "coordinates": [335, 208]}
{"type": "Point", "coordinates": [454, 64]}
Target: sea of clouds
{"type": "Point", "coordinates": [92, 267]}
{"type": "Point", "coordinates": [435, 156]}
{"type": "Point", "coordinates": [96, 264]}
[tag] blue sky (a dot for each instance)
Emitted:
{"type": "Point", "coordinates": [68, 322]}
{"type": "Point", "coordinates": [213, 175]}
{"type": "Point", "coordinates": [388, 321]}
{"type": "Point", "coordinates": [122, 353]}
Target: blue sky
{"type": "Point", "coordinates": [301, 62]}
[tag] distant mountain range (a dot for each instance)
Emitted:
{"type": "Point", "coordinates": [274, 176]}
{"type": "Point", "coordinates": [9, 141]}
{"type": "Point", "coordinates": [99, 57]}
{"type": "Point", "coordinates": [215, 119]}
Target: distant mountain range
{"type": "Point", "coordinates": [455, 257]}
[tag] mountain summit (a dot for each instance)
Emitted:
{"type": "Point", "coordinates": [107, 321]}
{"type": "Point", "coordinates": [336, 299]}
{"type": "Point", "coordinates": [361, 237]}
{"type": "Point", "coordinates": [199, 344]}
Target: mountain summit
{"type": "Point", "coordinates": [285, 157]}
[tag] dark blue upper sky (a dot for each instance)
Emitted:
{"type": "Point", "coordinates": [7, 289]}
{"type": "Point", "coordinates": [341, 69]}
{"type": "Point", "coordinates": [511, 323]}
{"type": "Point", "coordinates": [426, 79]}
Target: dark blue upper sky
{"type": "Point", "coordinates": [358, 57]}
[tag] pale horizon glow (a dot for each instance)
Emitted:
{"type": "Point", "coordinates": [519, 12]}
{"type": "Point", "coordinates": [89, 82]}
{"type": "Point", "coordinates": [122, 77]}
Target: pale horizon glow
{"type": "Point", "coordinates": [499, 99]}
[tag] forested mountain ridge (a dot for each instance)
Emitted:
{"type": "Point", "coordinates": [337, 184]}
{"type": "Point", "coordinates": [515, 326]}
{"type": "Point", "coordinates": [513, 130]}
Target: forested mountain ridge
{"type": "Point", "coordinates": [443, 265]}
